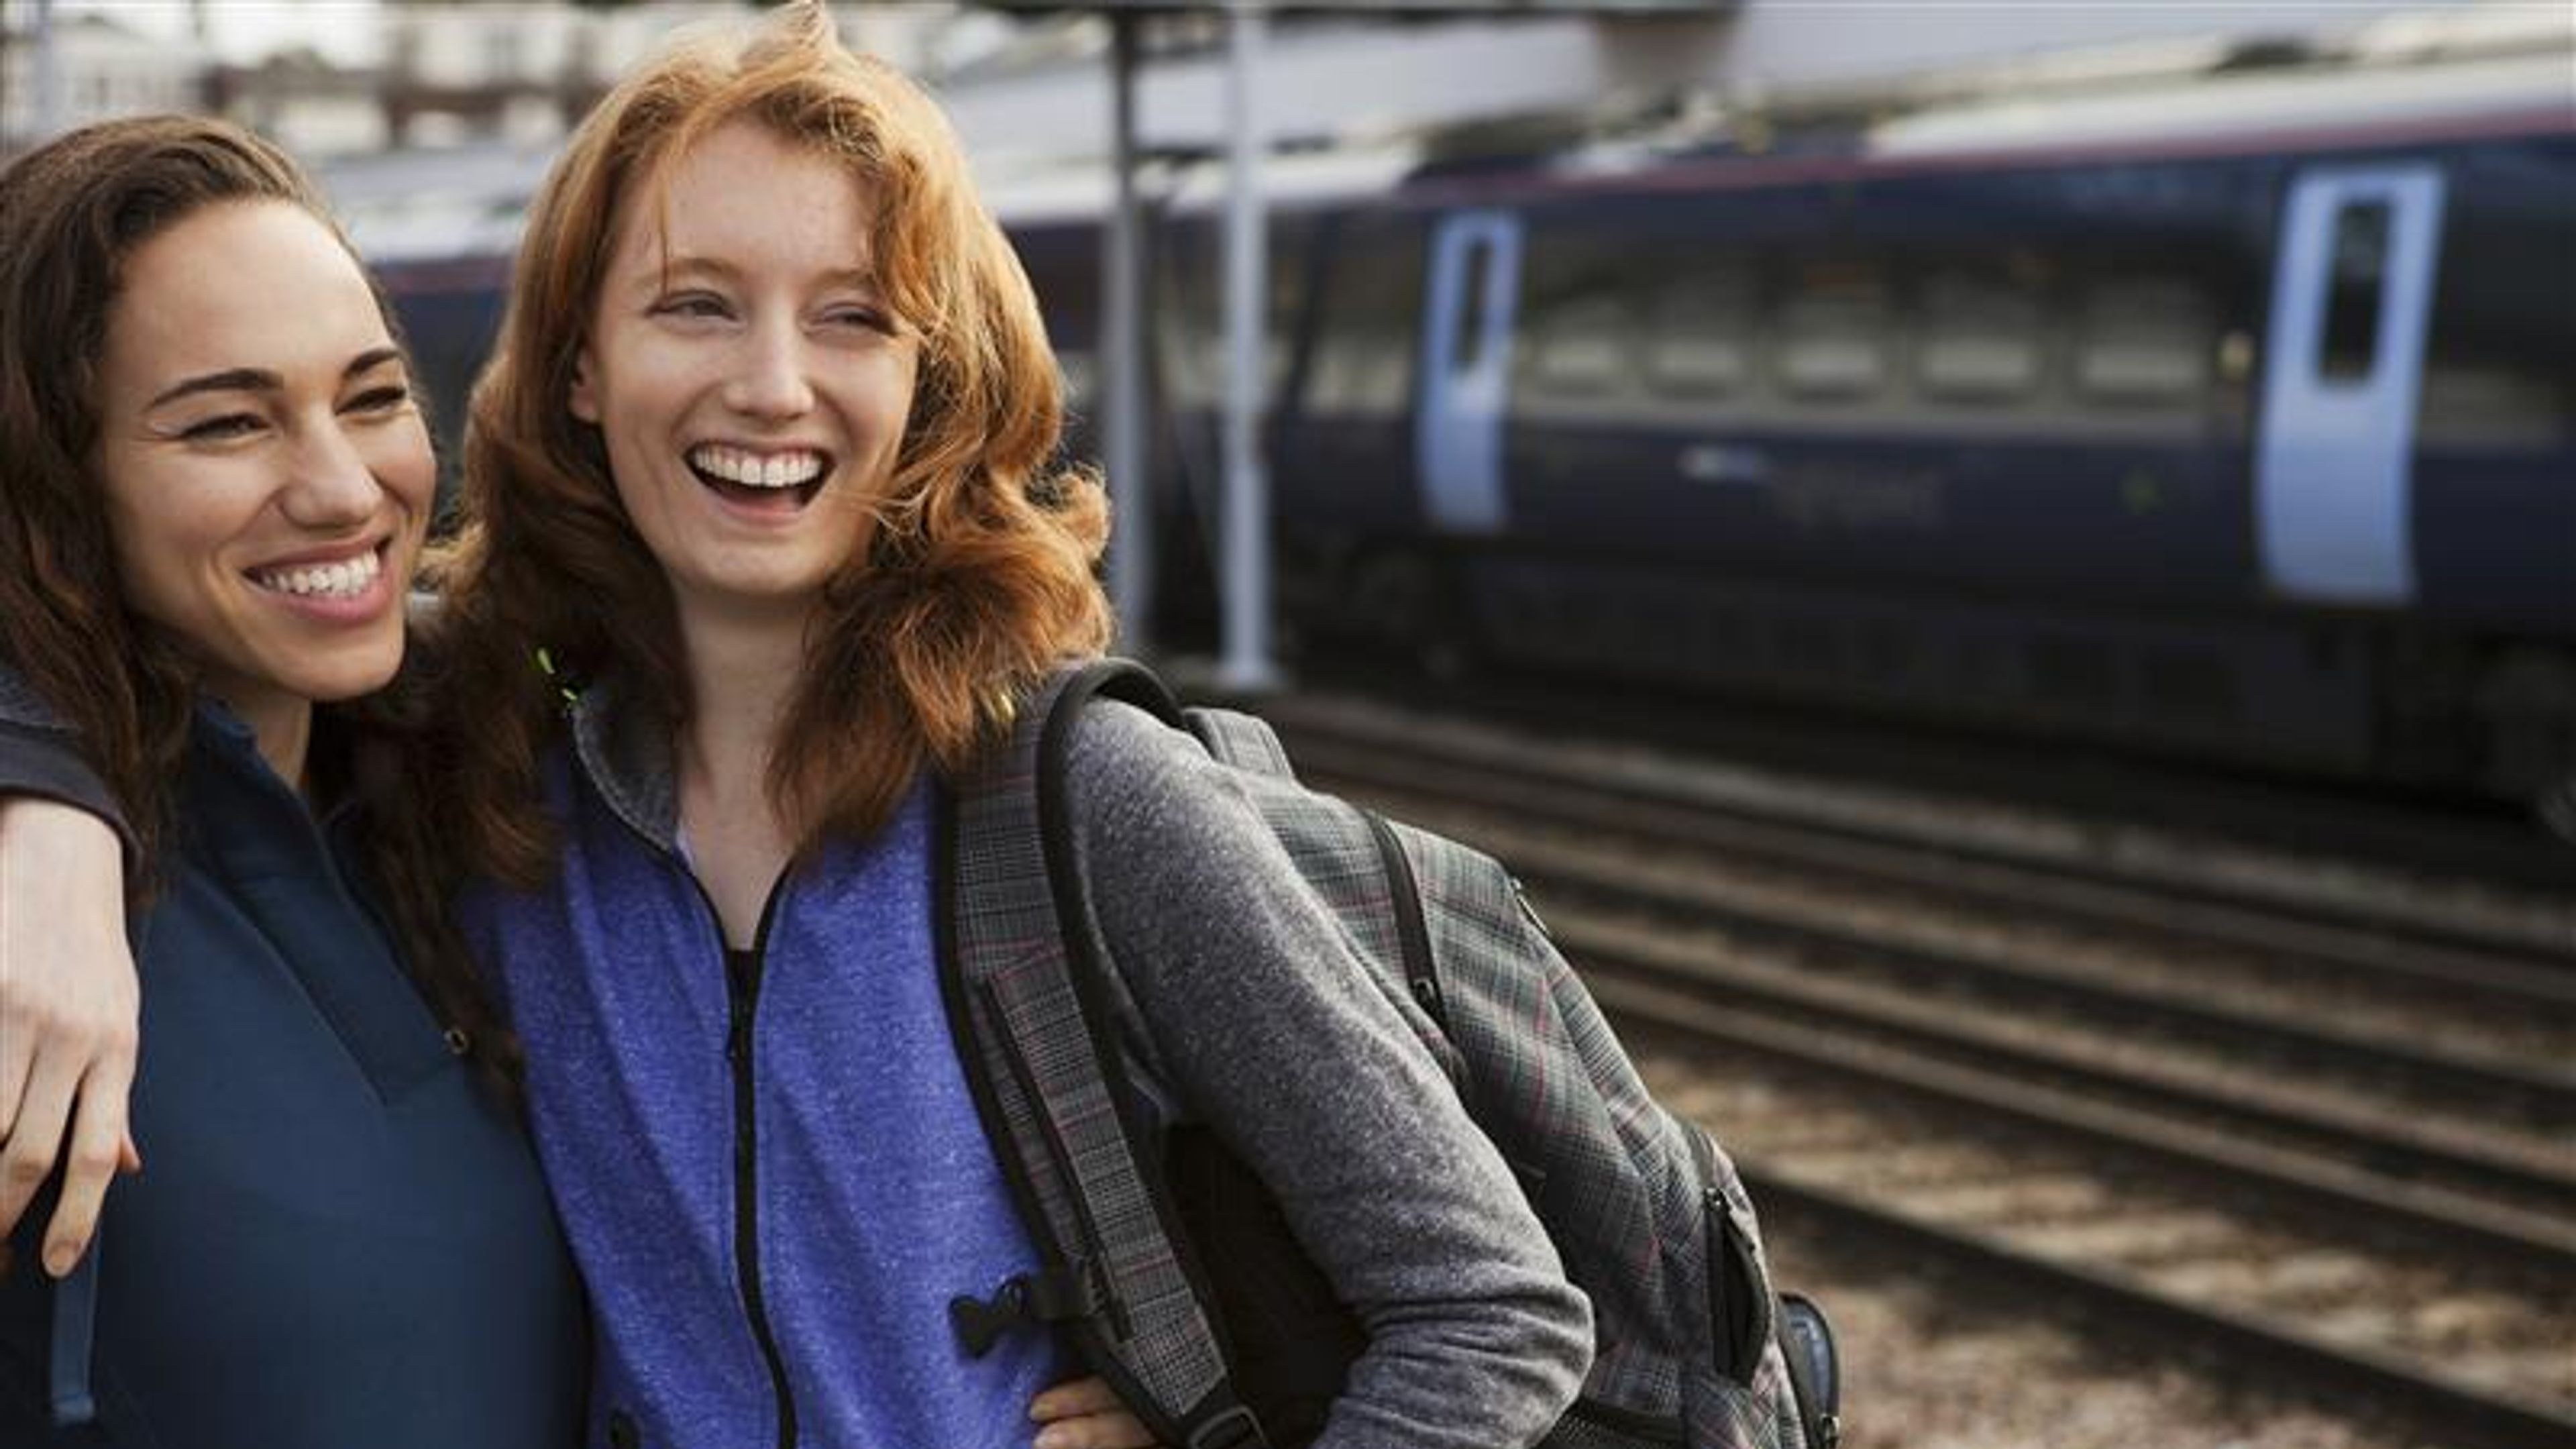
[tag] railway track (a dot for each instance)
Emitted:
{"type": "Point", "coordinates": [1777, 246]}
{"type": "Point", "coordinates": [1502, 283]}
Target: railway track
{"type": "Point", "coordinates": [2317, 1120]}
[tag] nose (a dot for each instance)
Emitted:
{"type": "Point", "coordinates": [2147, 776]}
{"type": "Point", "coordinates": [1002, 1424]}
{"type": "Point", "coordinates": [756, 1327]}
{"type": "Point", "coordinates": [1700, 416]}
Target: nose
{"type": "Point", "coordinates": [771, 381]}
{"type": "Point", "coordinates": [333, 488]}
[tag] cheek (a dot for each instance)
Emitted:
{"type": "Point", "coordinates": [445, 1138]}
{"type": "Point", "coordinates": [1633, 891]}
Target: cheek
{"type": "Point", "coordinates": [402, 460]}
{"type": "Point", "coordinates": [890, 398]}
{"type": "Point", "coordinates": [156, 548]}
{"type": "Point", "coordinates": [164, 567]}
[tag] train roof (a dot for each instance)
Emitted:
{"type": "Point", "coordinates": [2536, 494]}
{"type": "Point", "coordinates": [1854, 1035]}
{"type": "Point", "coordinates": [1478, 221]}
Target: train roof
{"type": "Point", "coordinates": [1042, 194]}
{"type": "Point", "coordinates": [2220, 115]}
{"type": "Point", "coordinates": [2424, 98]}
{"type": "Point", "coordinates": [2236, 111]}
{"type": "Point", "coordinates": [405, 206]}
{"type": "Point", "coordinates": [2404, 88]}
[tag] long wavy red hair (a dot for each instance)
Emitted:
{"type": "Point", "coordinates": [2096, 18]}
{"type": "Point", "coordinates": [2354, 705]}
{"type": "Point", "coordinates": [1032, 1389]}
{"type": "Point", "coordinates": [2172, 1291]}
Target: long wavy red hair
{"type": "Point", "coordinates": [979, 572]}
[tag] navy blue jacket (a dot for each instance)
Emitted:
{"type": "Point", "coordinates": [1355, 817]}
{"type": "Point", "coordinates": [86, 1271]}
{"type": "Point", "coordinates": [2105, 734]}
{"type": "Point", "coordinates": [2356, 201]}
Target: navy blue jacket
{"type": "Point", "coordinates": [338, 1238]}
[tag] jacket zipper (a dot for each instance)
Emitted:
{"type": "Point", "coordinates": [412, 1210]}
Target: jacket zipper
{"type": "Point", "coordinates": [742, 998]}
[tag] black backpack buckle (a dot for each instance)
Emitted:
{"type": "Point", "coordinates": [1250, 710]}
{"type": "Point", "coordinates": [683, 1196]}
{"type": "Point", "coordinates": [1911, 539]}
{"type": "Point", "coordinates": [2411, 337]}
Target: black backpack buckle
{"type": "Point", "coordinates": [1235, 1428]}
{"type": "Point", "coordinates": [1050, 1297]}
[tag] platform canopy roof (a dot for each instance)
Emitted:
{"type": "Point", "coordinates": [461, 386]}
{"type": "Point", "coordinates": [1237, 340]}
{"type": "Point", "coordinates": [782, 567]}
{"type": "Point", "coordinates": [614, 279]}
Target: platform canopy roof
{"type": "Point", "coordinates": [1393, 9]}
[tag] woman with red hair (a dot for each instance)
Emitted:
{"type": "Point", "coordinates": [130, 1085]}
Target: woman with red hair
{"type": "Point", "coordinates": [763, 544]}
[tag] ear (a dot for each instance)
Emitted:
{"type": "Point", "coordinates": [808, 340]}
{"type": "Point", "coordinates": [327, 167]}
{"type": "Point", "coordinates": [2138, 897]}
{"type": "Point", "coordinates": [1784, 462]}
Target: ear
{"type": "Point", "coordinates": [584, 403]}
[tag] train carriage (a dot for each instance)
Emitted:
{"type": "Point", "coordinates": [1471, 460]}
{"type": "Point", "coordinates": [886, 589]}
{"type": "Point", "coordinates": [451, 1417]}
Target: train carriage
{"type": "Point", "coordinates": [2236, 421]}
{"type": "Point", "coordinates": [2256, 442]}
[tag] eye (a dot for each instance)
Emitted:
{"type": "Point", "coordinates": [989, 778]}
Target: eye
{"type": "Point", "coordinates": [693, 305]}
{"type": "Point", "coordinates": [870, 318]}
{"type": "Point", "coordinates": [223, 428]}
{"type": "Point", "coordinates": [391, 397]}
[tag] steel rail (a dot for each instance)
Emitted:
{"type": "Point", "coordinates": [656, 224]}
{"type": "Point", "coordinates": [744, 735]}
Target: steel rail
{"type": "Point", "coordinates": [1567, 873]}
{"type": "Point", "coordinates": [2135, 895]}
{"type": "Point", "coordinates": [2509, 982]}
{"type": "Point", "coordinates": [2494, 1420]}
{"type": "Point", "coordinates": [2482, 1418]}
{"type": "Point", "coordinates": [2400, 1159]}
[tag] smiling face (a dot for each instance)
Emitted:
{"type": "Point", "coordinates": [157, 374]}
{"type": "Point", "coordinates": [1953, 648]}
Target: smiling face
{"type": "Point", "coordinates": [745, 372]}
{"type": "Point", "coordinates": [267, 475]}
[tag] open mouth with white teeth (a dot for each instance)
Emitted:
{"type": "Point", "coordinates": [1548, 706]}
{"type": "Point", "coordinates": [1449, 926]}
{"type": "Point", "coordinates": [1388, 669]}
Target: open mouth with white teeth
{"type": "Point", "coordinates": [346, 579]}
{"type": "Point", "coordinates": [766, 479]}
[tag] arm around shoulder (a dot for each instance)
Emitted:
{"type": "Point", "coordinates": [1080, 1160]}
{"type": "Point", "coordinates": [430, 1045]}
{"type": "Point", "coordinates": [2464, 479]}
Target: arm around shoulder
{"type": "Point", "coordinates": [69, 1001]}
{"type": "Point", "coordinates": [69, 1007]}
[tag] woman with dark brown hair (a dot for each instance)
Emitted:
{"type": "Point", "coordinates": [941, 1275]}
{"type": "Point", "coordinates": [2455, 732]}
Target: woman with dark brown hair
{"type": "Point", "coordinates": [763, 544]}
{"type": "Point", "coordinates": [214, 485]}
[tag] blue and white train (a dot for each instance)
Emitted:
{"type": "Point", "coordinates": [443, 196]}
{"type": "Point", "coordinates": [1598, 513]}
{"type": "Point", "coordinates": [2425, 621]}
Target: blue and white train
{"type": "Point", "coordinates": [2241, 426]}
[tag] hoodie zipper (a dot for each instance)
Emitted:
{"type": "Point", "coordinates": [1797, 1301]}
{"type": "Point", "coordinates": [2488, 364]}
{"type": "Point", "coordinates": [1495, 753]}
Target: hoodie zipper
{"type": "Point", "coordinates": [742, 999]}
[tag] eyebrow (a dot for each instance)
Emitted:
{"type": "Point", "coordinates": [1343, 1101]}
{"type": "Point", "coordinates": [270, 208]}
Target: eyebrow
{"type": "Point", "coordinates": [258, 379]}
{"type": "Point", "coordinates": [672, 267]}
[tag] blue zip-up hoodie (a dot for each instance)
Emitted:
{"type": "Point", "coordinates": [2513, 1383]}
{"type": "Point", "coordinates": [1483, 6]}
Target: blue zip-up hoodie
{"type": "Point", "coordinates": [821, 1172]}
{"type": "Point", "coordinates": [338, 1238]}
{"type": "Point", "coordinates": [775, 1179]}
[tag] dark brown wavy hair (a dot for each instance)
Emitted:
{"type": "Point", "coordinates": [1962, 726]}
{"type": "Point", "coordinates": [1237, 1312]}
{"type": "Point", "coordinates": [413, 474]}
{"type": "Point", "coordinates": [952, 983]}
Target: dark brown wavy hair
{"type": "Point", "coordinates": [978, 574]}
{"type": "Point", "coordinates": [72, 212]}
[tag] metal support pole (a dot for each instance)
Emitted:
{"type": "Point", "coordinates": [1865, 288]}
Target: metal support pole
{"type": "Point", "coordinates": [1121, 363]}
{"type": "Point", "coordinates": [49, 76]}
{"type": "Point", "coordinates": [1246, 665]}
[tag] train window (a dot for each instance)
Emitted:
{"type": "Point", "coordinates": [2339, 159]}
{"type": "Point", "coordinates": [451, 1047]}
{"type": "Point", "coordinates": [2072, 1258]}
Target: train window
{"type": "Point", "coordinates": [2493, 403]}
{"type": "Point", "coordinates": [1469, 344]}
{"type": "Point", "coordinates": [1700, 335]}
{"type": "Point", "coordinates": [1981, 340]}
{"type": "Point", "coordinates": [1361, 367]}
{"type": "Point", "coordinates": [2145, 342]}
{"type": "Point", "coordinates": [1835, 337]}
{"type": "Point", "coordinates": [2353, 291]}
{"type": "Point", "coordinates": [1579, 348]}
{"type": "Point", "coordinates": [1363, 349]}
{"type": "Point", "coordinates": [1183, 280]}
{"type": "Point", "coordinates": [2500, 367]}
{"type": "Point", "coordinates": [1191, 312]}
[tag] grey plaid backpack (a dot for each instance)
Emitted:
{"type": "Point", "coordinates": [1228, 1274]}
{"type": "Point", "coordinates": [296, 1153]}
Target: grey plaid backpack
{"type": "Point", "coordinates": [1694, 1347]}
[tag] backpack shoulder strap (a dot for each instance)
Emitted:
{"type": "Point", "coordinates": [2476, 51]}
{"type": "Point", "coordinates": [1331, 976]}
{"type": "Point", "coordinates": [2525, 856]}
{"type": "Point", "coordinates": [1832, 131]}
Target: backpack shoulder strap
{"type": "Point", "coordinates": [1245, 741]}
{"type": "Point", "coordinates": [1023, 970]}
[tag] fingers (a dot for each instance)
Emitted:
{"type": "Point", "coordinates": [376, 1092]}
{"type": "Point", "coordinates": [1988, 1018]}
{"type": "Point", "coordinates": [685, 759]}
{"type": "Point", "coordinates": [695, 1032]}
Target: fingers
{"type": "Point", "coordinates": [1075, 1396]}
{"type": "Point", "coordinates": [35, 1138]}
{"type": "Point", "coordinates": [1086, 1414]}
{"type": "Point", "coordinates": [1118, 1430]}
{"type": "Point", "coordinates": [69, 1010]}
{"type": "Point", "coordinates": [99, 1147]}
{"type": "Point", "coordinates": [17, 1061]}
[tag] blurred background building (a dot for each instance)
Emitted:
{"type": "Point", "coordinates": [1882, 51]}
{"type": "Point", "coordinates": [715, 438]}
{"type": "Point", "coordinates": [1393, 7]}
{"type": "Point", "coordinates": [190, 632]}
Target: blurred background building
{"type": "Point", "coordinates": [332, 77]}
{"type": "Point", "coordinates": [335, 77]}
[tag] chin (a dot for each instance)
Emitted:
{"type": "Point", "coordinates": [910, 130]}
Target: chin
{"type": "Point", "coordinates": [341, 680]}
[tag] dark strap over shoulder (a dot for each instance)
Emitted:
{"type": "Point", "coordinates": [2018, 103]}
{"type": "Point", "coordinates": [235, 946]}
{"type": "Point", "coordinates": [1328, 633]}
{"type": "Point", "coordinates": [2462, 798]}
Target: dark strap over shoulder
{"type": "Point", "coordinates": [1029, 1000]}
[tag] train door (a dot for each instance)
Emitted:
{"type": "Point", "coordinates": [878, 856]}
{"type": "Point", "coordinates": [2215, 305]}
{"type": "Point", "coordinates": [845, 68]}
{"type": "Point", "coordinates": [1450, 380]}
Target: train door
{"type": "Point", "coordinates": [2351, 298]}
{"type": "Point", "coordinates": [1466, 370]}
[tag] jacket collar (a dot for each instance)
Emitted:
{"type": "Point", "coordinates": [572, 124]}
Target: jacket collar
{"type": "Point", "coordinates": [627, 755]}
